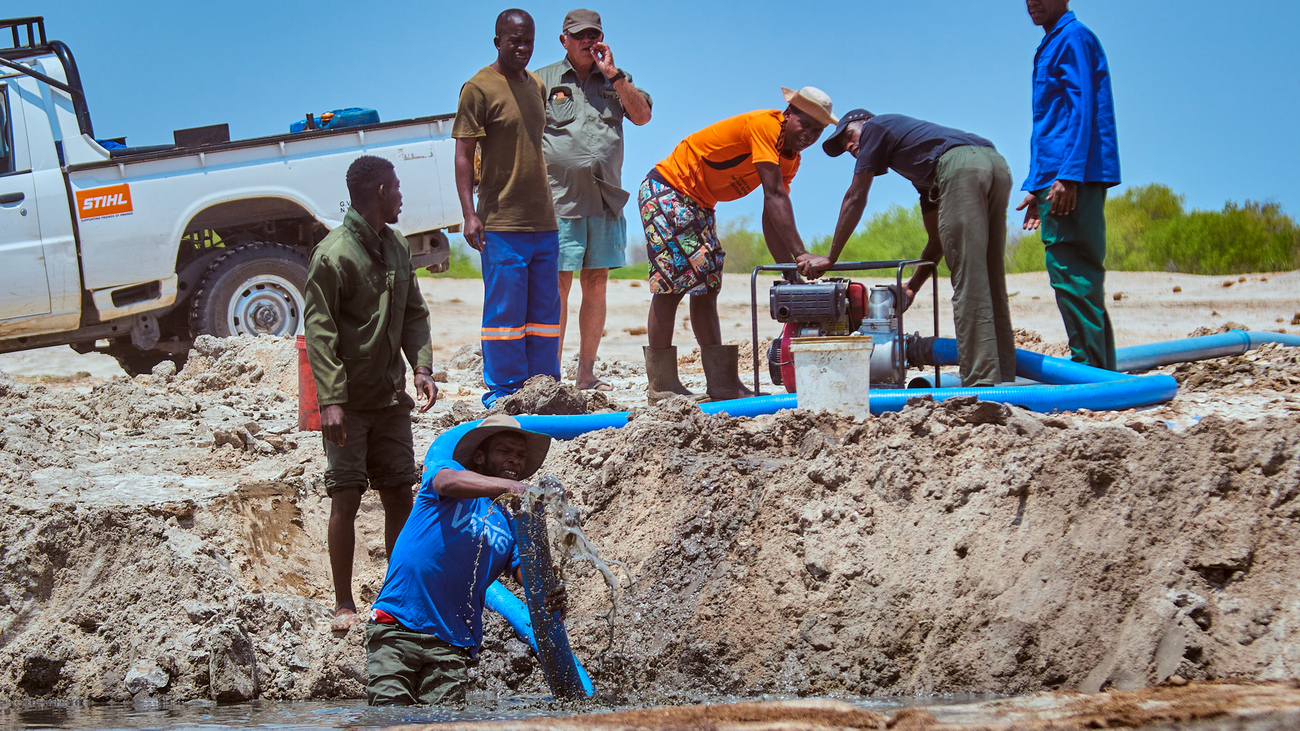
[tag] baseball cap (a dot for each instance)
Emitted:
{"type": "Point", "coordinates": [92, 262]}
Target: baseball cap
{"type": "Point", "coordinates": [833, 145]}
{"type": "Point", "coordinates": [579, 20]}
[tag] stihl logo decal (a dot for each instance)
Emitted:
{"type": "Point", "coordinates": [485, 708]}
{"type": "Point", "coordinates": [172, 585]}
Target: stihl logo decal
{"type": "Point", "coordinates": [114, 200]}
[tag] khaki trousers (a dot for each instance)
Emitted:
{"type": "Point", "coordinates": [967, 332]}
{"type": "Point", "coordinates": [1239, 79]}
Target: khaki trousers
{"type": "Point", "coordinates": [974, 187]}
{"type": "Point", "coordinates": [408, 668]}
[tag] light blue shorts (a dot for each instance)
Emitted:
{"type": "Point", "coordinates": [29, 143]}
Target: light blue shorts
{"type": "Point", "coordinates": [593, 242]}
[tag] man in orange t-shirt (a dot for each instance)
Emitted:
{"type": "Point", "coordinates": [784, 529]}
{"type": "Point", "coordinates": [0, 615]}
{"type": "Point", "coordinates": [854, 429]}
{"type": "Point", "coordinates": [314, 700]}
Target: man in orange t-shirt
{"type": "Point", "coordinates": [722, 162]}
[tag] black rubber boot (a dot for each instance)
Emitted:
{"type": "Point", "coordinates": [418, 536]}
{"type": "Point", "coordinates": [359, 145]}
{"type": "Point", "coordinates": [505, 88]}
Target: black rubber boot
{"type": "Point", "coordinates": [722, 372]}
{"type": "Point", "coordinates": [661, 370]}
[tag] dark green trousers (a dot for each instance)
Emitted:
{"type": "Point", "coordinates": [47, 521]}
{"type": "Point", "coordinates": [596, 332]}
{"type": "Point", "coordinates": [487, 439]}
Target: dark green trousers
{"type": "Point", "coordinates": [1076, 256]}
{"type": "Point", "coordinates": [407, 668]}
{"type": "Point", "coordinates": [974, 185]}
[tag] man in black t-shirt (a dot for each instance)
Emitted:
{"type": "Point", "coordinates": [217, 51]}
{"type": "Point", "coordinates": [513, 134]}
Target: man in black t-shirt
{"type": "Point", "coordinates": [964, 185]}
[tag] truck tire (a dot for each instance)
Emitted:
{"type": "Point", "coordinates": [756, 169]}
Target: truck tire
{"type": "Point", "coordinates": [254, 289]}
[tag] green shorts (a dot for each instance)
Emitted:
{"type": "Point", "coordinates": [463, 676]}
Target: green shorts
{"type": "Point", "coordinates": [406, 668]}
{"type": "Point", "coordinates": [593, 242]}
{"type": "Point", "coordinates": [379, 451]}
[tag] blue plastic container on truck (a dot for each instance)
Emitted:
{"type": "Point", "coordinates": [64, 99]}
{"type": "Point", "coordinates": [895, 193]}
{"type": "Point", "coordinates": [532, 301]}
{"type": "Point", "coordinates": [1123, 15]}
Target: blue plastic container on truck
{"type": "Point", "coordinates": [340, 118]}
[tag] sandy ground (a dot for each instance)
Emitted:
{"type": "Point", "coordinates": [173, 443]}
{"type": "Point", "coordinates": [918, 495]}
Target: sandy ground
{"type": "Point", "coordinates": [164, 535]}
{"type": "Point", "coordinates": [1149, 311]}
{"type": "Point", "coordinates": [1206, 707]}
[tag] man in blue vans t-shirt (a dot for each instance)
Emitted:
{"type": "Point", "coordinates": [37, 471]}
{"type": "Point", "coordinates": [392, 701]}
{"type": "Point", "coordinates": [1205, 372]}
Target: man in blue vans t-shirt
{"type": "Point", "coordinates": [428, 620]}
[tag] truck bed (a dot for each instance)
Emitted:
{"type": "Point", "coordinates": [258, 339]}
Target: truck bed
{"type": "Point", "coordinates": [163, 152]}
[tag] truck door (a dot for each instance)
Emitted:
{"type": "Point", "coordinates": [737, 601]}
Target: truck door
{"type": "Point", "coordinates": [24, 290]}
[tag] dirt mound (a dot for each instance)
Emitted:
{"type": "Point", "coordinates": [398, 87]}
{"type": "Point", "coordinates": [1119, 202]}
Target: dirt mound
{"type": "Point", "coordinates": [241, 363]}
{"type": "Point", "coordinates": [1272, 367]}
{"type": "Point", "coordinates": [142, 438]}
{"type": "Point", "coordinates": [1225, 327]}
{"type": "Point", "coordinates": [165, 535]}
{"type": "Point", "coordinates": [466, 365]}
{"type": "Point", "coordinates": [542, 395]}
{"type": "Point", "coordinates": [106, 603]}
{"type": "Point", "coordinates": [1033, 341]}
{"type": "Point", "coordinates": [744, 356]}
{"type": "Point", "coordinates": [39, 429]}
{"type": "Point", "coordinates": [953, 547]}
{"type": "Point", "coordinates": [607, 369]}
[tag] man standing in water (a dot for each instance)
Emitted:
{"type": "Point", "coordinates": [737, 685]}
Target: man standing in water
{"type": "Point", "coordinates": [1073, 159]}
{"type": "Point", "coordinates": [363, 312]}
{"type": "Point", "coordinates": [427, 623]}
{"type": "Point", "coordinates": [722, 162]}
{"type": "Point", "coordinates": [502, 110]}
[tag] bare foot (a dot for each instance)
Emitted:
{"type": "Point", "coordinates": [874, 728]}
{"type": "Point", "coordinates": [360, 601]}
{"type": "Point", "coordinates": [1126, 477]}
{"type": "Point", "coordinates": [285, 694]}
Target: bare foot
{"type": "Point", "coordinates": [344, 618]}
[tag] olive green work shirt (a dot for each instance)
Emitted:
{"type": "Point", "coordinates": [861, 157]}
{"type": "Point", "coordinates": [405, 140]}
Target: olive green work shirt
{"type": "Point", "coordinates": [507, 118]}
{"type": "Point", "coordinates": [584, 141]}
{"type": "Point", "coordinates": [364, 310]}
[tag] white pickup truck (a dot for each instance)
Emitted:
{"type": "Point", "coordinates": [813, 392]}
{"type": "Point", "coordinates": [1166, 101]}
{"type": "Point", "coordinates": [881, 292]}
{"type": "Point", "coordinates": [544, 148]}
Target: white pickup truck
{"type": "Point", "coordinates": [134, 252]}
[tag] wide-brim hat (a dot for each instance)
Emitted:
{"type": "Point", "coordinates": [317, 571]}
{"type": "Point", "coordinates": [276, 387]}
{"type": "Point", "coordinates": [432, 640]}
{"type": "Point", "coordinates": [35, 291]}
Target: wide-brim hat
{"type": "Point", "coordinates": [834, 145]}
{"type": "Point", "coordinates": [812, 101]}
{"type": "Point", "coordinates": [537, 444]}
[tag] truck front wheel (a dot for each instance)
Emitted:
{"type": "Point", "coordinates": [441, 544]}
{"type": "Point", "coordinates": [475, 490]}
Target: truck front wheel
{"type": "Point", "coordinates": [254, 289]}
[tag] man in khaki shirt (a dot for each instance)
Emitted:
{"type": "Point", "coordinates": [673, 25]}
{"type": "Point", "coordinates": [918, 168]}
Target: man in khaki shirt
{"type": "Point", "coordinates": [502, 110]}
{"type": "Point", "coordinates": [587, 98]}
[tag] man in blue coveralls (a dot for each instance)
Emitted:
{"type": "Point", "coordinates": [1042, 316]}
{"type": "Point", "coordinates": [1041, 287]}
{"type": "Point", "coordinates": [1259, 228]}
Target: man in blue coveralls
{"type": "Point", "coordinates": [427, 623]}
{"type": "Point", "coordinates": [1073, 159]}
{"type": "Point", "coordinates": [502, 111]}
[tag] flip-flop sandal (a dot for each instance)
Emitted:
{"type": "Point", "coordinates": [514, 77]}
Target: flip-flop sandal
{"type": "Point", "coordinates": [597, 385]}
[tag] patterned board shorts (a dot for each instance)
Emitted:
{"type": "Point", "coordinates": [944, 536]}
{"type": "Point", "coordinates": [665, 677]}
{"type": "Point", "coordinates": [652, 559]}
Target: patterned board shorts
{"type": "Point", "coordinates": [681, 239]}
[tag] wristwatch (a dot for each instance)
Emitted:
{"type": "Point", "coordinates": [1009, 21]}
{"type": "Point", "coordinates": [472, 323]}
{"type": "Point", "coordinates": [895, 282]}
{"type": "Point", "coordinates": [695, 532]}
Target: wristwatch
{"type": "Point", "coordinates": [617, 77]}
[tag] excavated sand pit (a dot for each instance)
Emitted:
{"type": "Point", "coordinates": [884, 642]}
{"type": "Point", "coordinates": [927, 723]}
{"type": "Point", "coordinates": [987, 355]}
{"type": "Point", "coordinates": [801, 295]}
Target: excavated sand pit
{"type": "Point", "coordinates": [164, 538]}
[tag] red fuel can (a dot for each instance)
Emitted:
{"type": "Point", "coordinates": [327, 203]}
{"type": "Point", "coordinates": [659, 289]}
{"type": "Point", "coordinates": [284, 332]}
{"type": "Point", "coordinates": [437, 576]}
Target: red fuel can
{"type": "Point", "coordinates": [308, 410]}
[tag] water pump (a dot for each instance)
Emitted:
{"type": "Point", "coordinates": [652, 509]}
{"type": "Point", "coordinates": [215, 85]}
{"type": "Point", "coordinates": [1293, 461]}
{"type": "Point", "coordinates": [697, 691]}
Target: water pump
{"type": "Point", "coordinates": [838, 306]}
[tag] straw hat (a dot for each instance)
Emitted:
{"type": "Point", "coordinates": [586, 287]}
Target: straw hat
{"type": "Point", "coordinates": [538, 444]}
{"type": "Point", "coordinates": [812, 101]}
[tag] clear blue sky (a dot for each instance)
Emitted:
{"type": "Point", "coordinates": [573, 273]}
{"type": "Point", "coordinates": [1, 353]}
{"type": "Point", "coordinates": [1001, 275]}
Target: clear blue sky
{"type": "Point", "coordinates": [1207, 92]}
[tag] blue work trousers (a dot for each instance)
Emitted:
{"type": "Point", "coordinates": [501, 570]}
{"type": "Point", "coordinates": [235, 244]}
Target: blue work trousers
{"type": "Point", "coordinates": [521, 309]}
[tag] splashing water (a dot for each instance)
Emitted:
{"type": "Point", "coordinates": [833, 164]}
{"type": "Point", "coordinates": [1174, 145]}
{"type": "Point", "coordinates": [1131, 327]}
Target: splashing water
{"type": "Point", "coordinates": [566, 532]}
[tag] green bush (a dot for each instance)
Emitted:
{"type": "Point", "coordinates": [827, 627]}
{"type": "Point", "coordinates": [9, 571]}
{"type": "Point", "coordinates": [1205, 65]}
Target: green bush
{"type": "Point", "coordinates": [1148, 229]}
{"type": "Point", "coordinates": [1255, 237]}
{"type": "Point", "coordinates": [1130, 218]}
{"type": "Point", "coordinates": [745, 247]}
{"type": "Point", "coordinates": [895, 233]}
{"type": "Point", "coordinates": [1025, 254]}
{"type": "Point", "coordinates": [639, 270]}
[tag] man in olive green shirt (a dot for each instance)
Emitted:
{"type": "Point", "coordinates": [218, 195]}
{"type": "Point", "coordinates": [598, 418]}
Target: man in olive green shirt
{"type": "Point", "coordinates": [502, 112]}
{"type": "Point", "coordinates": [587, 98]}
{"type": "Point", "coordinates": [364, 311]}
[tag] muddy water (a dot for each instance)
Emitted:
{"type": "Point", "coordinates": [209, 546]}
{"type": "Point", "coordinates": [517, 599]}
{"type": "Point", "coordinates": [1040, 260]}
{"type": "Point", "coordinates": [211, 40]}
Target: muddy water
{"type": "Point", "coordinates": [348, 715]}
